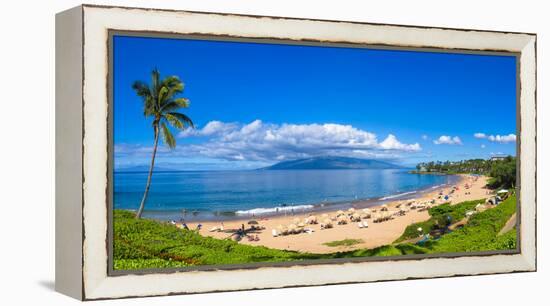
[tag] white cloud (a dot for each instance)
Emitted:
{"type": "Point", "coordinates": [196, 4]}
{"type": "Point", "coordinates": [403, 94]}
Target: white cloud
{"type": "Point", "coordinates": [444, 139]}
{"type": "Point", "coordinates": [424, 137]}
{"type": "Point", "coordinates": [502, 139]}
{"type": "Point", "coordinates": [210, 129]}
{"type": "Point", "coordinates": [391, 143]}
{"type": "Point", "coordinates": [259, 141]}
{"type": "Point", "coordinates": [483, 146]}
{"type": "Point", "coordinates": [496, 138]}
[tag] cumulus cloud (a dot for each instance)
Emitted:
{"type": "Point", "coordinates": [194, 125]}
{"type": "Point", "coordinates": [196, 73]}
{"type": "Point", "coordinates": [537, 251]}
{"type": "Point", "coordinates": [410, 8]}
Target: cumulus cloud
{"type": "Point", "coordinates": [259, 141]}
{"type": "Point", "coordinates": [212, 128]}
{"type": "Point", "coordinates": [444, 139]}
{"type": "Point", "coordinates": [496, 138]}
{"type": "Point", "coordinates": [502, 139]}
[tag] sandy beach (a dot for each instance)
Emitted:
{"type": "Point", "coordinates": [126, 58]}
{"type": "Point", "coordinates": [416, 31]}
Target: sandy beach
{"type": "Point", "coordinates": [377, 234]}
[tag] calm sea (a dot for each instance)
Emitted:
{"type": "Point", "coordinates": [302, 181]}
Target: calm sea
{"type": "Point", "coordinates": [230, 194]}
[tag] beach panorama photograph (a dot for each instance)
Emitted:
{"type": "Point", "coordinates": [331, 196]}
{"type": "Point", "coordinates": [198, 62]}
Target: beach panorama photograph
{"type": "Point", "coordinates": [251, 152]}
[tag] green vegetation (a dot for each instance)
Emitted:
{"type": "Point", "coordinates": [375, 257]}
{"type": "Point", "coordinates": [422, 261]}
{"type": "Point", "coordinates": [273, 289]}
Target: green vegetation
{"type": "Point", "coordinates": [502, 171]}
{"type": "Point", "coordinates": [142, 244]}
{"type": "Point", "coordinates": [503, 174]}
{"type": "Point", "coordinates": [345, 242]}
{"type": "Point", "coordinates": [480, 234]}
{"type": "Point", "coordinates": [441, 216]}
{"type": "Point", "coordinates": [160, 102]}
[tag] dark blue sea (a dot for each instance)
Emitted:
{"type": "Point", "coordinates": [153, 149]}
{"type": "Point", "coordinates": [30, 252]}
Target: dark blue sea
{"type": "Point", "coordinates": [231, 194]}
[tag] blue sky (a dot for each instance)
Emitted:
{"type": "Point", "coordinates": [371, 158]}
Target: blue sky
{"type": "Point", "coordinates": [256, 104]}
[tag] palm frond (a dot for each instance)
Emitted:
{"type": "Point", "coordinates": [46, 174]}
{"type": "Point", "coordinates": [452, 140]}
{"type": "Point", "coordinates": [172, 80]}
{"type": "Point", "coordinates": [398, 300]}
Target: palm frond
{"type": "Point", "coordinates": [175, 104]}
{"type": "Point", "coordinates": [162, 96]}
{"type": "Point", "coordinates": [167, 136]}
{"type": "Point", "coordinates": [174, 86]}
{"type": "Point", "coordinates": [155, 80]}
{"type": "Point", "coordinates": [149, 106]}
{"type": "Point", "coordinates": [141, 89]}
{"type": "Point", "coordinates": [182, 118]}
{"type": "Point", "coordinates": [173, 120]}
{"type": "Point", "coordinates": [174, 83]}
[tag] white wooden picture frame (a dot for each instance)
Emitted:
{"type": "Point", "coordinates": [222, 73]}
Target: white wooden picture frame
{"type": "Point", "coordinates": [83, 148]}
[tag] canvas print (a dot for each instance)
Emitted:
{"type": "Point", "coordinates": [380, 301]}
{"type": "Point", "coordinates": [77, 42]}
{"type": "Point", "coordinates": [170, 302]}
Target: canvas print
{"type": "Point", "coordinates": [240, 152]}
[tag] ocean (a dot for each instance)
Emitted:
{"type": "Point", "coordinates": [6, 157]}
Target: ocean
{"type": "Point", "coordinates": [208, 195]}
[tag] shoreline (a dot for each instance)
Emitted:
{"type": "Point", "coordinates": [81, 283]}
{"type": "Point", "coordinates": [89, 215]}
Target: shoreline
{"type": "Point", "coordinates": [313, 208]}
{"type": "Point", "coordinates": [314, 239]}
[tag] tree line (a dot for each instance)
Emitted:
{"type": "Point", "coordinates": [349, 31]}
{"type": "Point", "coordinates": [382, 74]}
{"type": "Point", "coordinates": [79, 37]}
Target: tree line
{"type": "Point", "coordinates": [502, 171]}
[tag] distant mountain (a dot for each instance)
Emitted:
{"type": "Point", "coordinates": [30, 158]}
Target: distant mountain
{"type": "Point", "coordinates": [332, 162]}
{"type": "Point", "coordinates": [143, 169]}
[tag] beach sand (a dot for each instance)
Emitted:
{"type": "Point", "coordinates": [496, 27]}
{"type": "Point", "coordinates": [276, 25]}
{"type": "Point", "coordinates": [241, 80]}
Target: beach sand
{"type": "Point", "coordinates": [377, 234]}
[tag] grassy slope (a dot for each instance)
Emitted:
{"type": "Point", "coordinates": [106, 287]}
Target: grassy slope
{"type": "Point", "coordinates": [145, 243]}
{"type": "Point", "coordinates": [141, 244]}
{"type": "Point", "coordinates": [439, 214]}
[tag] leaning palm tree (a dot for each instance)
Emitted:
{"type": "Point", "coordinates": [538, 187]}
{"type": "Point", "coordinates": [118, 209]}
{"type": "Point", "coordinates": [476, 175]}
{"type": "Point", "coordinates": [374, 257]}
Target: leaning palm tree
{"type": "Point", "coordinates": [161, 104]}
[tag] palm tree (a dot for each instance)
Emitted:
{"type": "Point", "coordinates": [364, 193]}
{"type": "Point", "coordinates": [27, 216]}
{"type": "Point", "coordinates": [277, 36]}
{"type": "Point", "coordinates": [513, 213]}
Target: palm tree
{"type": "Point", "coordinates": [161, 104]}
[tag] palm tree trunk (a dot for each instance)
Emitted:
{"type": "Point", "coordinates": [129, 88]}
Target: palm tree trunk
{"type": "Point", "coordinates": [142, 205]}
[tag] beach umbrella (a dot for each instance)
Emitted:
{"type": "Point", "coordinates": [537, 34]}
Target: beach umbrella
{"type": "Point", "coordinates": [301, 224]}
{"type": "Point", "coordinates": [340, 212]}
{"type": "Point", "coordinates": [292, 228]}
{"type": "Point", "coordinates": [351, 210]}
{"type": "Point", "coordinates": [252, 222]}
{"type": "Point", "coordinates": [296, 220]}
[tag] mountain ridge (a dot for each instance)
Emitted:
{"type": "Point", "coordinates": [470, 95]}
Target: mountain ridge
{"type": "Point", "coordinates": [331, 163]}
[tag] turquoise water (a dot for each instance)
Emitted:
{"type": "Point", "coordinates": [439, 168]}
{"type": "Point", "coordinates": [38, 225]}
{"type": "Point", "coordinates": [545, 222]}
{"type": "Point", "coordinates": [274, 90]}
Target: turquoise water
{"type": "Point", "coordinates": [225, 194]}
